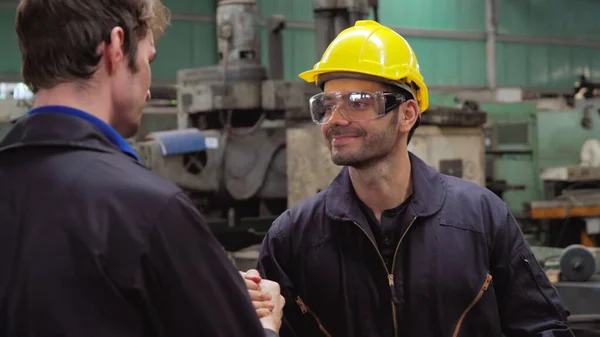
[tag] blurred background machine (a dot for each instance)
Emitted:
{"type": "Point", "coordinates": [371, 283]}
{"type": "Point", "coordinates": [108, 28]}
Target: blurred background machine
{"type": "Point", "coordinates": [542, 137]}
{"type": "Point", "coordinates": [245, 147]}
{"type": "Point", "coordinates": [541, 156]}
{"type": "Point", "coordinates": [228, 147]}
{"type": "Point", "coordinates": [573, 271]}
{"type": "Point", "coordinates": [10, 111]}
{"type": "Point", "coordinates": [543, 159]}
{"type": "Point", "coordinates": [15, 100]}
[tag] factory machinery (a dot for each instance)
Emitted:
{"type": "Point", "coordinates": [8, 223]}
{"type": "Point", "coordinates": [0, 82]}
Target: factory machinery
{"type": "Point", "coordinates": [245, 148]}
{"type": "Point", "coordinates": [569, 211]}
{"type": "Point", "coordinates": [543, 159]}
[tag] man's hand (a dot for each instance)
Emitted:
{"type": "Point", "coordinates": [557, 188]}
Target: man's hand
{"type": "Point", "coordinates": [266, 298]}
{"type": "Point", "coordinates": [261, 300]}
{"type": "Point", "coordinates": [273, 321]}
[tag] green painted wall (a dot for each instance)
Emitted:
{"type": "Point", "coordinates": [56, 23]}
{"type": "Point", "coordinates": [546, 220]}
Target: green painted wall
{"type": "Point", "coordinates": [447, 62]}
{"type": "Point", "coordinates": [10, 58]}
{"type": "Point", "coordinates": [444, 62]}
{"type": "Point", "coordinates": [536, 65]}
{"type": "Point", "coordinates": [186, 44]}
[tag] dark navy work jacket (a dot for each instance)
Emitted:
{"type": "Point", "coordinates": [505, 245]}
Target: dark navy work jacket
{"type": "Point", "coordinates": [462, 267]}
{"type": "Point", "coordinates": [93, 244]}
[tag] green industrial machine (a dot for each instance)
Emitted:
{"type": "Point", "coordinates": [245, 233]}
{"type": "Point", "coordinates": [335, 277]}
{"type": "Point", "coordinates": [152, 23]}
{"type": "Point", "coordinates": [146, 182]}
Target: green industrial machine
{"type": "Point", "coordinates": [512, 165]}
{"type": "Point", "coordinates": [522, 140]}
{"type": "Point", "coordinates": [511, 149]}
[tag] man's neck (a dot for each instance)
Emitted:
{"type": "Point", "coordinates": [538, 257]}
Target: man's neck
{"type": "Point", "coordinates": [75, 96]}
{"type": "Point", "coordinates": [384, 185]}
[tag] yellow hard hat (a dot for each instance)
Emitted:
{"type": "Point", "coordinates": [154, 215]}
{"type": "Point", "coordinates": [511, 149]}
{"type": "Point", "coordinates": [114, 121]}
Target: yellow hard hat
{"type": "Point", "coordinates": [372, 49]}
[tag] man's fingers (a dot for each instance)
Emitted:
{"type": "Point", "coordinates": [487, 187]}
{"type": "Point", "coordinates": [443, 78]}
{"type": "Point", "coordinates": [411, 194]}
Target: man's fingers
{"type": "Point", "coordinates": [251, 285]}
{"type": "Point", "coordinates": [256, 295]}
{"type": "Point", "coordinates": [253, 272]}
{"type": "Point", "coordinates": [263, 313]}
{"type": "Point", "coordinates": [253, 275]}
{"type": "Point", "coordinates": [263, 305]}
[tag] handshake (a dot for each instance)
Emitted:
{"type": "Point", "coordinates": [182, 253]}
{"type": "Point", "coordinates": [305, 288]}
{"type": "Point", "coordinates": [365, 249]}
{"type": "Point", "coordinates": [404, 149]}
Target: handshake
{"type": "Point", "coordinates": [266, 299]}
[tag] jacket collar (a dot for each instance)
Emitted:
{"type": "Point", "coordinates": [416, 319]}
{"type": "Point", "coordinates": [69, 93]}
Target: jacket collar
{"type": "Point", "coordinates": [65, 127]}
{"type": "Point", "coordinates": [429, 192]}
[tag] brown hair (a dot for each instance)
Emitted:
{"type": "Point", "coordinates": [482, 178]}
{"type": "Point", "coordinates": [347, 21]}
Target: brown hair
{"type": "Point", "coordinates": [59, 38]}
{"type": "Point", "coordinates": [408, 95]}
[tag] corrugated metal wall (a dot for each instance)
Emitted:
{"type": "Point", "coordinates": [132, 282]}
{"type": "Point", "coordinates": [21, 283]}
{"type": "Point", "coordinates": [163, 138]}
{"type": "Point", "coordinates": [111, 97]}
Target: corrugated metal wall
{"type": "Point", "coordinates": [550, 62]}
{"type": "Point", "coordinates": [10, 59]}
{"type": "Point", "coordinates": [541, 43]}
{"type": "Point", "coordinates": [191, 39]}
{"type": "Point", "coordinates": [450, 61]}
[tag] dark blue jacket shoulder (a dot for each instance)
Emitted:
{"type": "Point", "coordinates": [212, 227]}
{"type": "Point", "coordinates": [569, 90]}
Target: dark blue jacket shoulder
{"type": "Point", "coordinates": [86, 230]}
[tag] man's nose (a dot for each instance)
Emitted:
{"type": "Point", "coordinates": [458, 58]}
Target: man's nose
{"type": "Point", "coordinates": [148, 95]}
{"type": "Point", "coordinates": [337, 117]}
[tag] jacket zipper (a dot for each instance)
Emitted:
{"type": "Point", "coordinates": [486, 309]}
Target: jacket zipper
{"type": "Point", "coordinates": [305, 310]}
{"type": "Point", "coordinates": [390, 274]}
{"type": "Point", "coordinates": [484, 287]}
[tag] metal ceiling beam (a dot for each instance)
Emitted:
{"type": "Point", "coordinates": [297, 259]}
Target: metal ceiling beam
{"type": "Point", "coordinates": [439, 34]}
{"type": "Point", "coordinates": [547, 40]}
{"type": "Point", "coordinates": [8, 4]}
{"type": "Point", "coordinates": [10, 78]}
{"type": "Point", "coordinates": [465, 35]}
{"type": "Point", "coordinates": [163, 84]}
{"type": "Point", "coordinates": [192, 17]}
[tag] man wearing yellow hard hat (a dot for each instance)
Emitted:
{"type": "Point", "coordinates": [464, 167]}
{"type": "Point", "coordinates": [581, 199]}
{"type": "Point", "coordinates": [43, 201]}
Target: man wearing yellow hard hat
{"type": "Point", "coordinates": [392, 247]}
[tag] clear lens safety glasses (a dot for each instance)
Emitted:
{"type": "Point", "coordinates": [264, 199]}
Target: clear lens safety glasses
{"type": "Point", "coordinates": [353, 105]}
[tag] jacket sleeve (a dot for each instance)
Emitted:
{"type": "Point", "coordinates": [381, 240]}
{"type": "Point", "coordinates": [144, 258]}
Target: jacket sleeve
{"type": "Point", "coordinates": [192, 288]}
{"type": "Point", "coordinates": [529, 304]}
{"type": "Point", "coordinates": [273, 264]}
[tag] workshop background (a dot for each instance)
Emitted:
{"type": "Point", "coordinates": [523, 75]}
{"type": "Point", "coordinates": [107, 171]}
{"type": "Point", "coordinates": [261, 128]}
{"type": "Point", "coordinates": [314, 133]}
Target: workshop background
{"type": "Point", "coordinates": [514, 88]}
{"type": "Point", "coordinates": [538, 43]}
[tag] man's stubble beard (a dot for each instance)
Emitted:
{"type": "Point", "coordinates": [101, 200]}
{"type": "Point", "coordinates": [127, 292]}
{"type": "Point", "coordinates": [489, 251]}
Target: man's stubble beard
{"type": "Point", "coordinates": [128, 121]}
{"type": "Point", "coordinates": [375, 148]}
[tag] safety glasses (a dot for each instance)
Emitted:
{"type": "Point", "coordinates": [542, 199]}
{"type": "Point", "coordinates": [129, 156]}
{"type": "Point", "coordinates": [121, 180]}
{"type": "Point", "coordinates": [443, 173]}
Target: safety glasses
{"type": "Point", "coordinates": [353, 105]}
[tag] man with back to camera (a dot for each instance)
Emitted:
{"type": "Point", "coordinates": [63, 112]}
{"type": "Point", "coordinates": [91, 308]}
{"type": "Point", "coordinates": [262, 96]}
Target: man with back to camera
{"type": "Point", "coordinates": [91, 242]}
{"type": "Point", "coordinates": [392, 247]}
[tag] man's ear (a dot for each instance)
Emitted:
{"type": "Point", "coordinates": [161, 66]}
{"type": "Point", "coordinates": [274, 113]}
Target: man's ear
{"type": "Point", "coordinates": [113, 49]}
{"type": "Point", "coordinates": [409, 115]}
